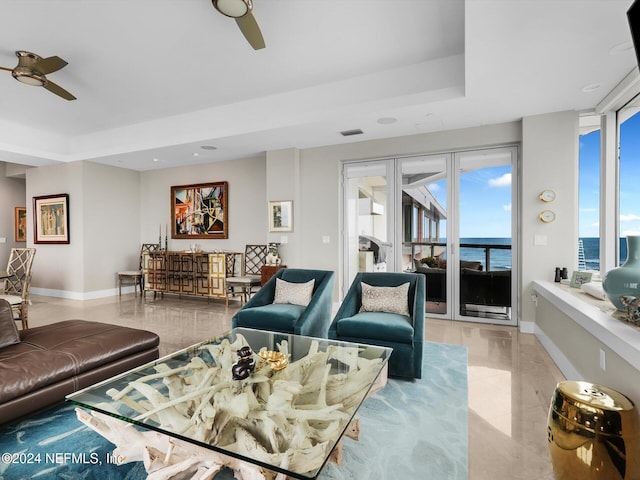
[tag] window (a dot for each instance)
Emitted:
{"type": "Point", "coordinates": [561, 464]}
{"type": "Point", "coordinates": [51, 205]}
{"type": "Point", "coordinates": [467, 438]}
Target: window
{"type": "Point", "coordinates": [589, 193]}
{"type": "Point", "coordinates": [608, 194]}
{"type": "Point", "coordinates": [629, 168]}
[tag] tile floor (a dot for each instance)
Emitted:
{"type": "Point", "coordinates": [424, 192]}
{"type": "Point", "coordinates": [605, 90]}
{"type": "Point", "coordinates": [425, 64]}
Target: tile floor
{"type": "Point", "coordinates": [511, 377]}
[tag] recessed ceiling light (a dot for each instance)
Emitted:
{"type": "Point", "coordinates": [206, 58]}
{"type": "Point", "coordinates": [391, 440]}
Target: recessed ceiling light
{"type": "Point", "coordinates": [621, 48]}
{"type": "Point", "coordinates": [387, 120]}
{"type": "Point", "coordinates": [156, 159]}
{"type": "Point", "coordinates": [208, 147]}
{"type": "Point", "coordinates": [196, 154]}
{"type": "Point", "coordinates": [592, 87]}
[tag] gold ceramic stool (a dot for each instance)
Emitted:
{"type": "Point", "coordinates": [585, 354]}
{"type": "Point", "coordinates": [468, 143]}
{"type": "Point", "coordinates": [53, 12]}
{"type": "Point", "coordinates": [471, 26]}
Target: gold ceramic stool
{"type": "Point", "coordinates": [593, 433]}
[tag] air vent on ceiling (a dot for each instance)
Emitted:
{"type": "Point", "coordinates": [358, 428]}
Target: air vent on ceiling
{"type": "Point", "coordinates": [348, 133]}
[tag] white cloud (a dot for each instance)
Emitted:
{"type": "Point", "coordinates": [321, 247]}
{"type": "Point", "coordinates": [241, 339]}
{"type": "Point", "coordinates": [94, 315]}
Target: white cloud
{"type": "Point", "coordinates": [503, 181]}
{"type": "Point", "coordinates": [629, 218]}
{"type": "Point", "coordinates": [434, 187]}
{"type": "Point", "coordinates": [506, 208]}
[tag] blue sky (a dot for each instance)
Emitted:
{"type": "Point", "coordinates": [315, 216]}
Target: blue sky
{"type": "Point", "coordinates": [485, 202]}
{"type": "Point", "coordinates": [589, 183]}
{"type": "Point", "coordinates": [485, 194]}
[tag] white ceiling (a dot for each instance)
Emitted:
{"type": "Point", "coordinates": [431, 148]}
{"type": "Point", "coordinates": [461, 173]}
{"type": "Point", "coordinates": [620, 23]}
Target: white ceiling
{"type": "Point", "coordinates": [161, 78]}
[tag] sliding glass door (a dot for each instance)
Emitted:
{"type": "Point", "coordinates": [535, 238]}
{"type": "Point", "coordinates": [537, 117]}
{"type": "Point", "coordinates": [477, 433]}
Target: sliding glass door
{"type": "Point", "coordinates": [446, 216]}
{"type": "Point", "coordinates": [369, 219]}
{"type": "Point", "coordinates": [425, 195]}
{"type": "Point", "coordinates": [484, 234]}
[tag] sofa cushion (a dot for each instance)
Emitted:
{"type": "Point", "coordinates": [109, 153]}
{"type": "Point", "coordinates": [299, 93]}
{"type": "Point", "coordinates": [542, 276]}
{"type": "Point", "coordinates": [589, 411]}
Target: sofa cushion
{"type": "Point", "coordinates": [383, 326]}
{"type": "Point", "coordinates": [385, 299]}
{"type": "Point", "coordinates": [60, 351]}
{"type": "Point", "coordinates": [280, 317]}
{"type": "Point", "coordinates": [8, 331]}
{"type": "Point", "coordinates": [293, 293]}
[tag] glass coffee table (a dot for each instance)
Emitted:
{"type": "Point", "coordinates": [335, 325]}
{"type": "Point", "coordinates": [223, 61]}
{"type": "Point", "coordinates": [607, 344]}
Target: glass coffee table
{"type": "Point", "coordinates": [254, 401]}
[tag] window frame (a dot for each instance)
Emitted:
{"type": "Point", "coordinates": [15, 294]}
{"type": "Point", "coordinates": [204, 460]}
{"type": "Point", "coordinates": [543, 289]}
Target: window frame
{"type": "Point", "coordinates": [608, 108]}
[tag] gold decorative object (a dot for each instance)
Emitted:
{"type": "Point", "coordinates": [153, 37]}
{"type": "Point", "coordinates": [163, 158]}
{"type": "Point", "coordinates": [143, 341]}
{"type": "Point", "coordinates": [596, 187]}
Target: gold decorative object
{"type": "Point", "coordinates": [547, 196]}
{"type": "Point", "coordinates": [593, 433]}
{"type": "Point", "coordinates": [547, 216]}
{"type": "Point", "coordinates": [276, 360]}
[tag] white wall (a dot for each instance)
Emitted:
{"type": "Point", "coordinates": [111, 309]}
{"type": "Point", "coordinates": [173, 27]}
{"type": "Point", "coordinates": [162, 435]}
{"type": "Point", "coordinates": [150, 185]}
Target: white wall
{"type": "Point", "coordinates": [12, 194]}
{"type": "Point", "coordinates": [111, 223]}
{"type": "Point", "coordinates": [247, 207]}
{"type": "Point", "coordinates": [320, 172]}
{"type": "Point", "coordinates": [103, 215]}
{"type": "Point", "coordinates": [550, 161]}
{"type": "Point", "coordinates": [283, 183]}
{"type": "Point", "coordinates": [120, 209]}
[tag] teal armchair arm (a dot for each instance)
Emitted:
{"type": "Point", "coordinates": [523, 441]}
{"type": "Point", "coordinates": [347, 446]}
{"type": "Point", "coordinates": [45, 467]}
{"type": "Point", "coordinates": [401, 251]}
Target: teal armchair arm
{"type": "Point", "coordinates": [404, 334]}
{"type": "Point", "coordinates": [312, 320]}
{"type": "Point", "coordinates": [315, 320]}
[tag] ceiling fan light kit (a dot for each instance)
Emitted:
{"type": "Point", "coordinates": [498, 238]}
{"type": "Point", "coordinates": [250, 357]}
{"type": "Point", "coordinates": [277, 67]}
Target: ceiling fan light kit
{"type": "Point", "coordinates": [233, 8]}
{"type": "Point", "coordinates": [32, 70]}
{"type": "Point", "coordinates": [241, 11]}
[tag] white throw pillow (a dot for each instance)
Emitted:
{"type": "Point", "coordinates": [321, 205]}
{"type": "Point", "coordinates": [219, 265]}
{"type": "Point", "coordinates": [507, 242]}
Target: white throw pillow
{"type": "Point", "coordinates": [385, 299]}
{"type": "Point", "coordinates": [294, 293]}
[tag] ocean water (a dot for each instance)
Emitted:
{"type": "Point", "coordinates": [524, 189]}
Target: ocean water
{"type": "Point", "coordinates": [592, 252]}
{"type": "Point", "coordinates": [498, 259]}
{"type": "Point", "coordinates": [502, 259]}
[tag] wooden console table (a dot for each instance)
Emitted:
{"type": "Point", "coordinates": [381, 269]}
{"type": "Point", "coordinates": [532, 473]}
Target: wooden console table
{"type": "Point", "coordinates": [189, 273]}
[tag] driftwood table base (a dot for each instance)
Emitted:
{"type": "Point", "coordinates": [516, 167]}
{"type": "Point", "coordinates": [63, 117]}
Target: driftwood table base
{"type": "Point", "coordinates": [165, 457]}
{"type": "Point", "coordinates": [288, 419]}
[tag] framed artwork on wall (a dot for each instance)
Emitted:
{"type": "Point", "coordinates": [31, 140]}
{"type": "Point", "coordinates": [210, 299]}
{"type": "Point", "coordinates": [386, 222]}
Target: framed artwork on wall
{"type": "Point", "coordinates": [281, 216]}
{"type": "Point", "coordinates": [20, 224]}
{"type": "Point", "coordinates": [51, 219]}
{"type": "Point", "coordinates": [200, 210]}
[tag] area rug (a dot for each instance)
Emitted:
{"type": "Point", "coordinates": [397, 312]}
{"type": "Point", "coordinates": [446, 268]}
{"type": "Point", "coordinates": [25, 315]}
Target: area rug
{"type": "Point", "coordinates": [409, 429]}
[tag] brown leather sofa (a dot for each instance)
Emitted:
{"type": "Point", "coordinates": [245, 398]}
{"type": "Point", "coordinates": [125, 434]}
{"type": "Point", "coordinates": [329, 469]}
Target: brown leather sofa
{"type": "Point", "coordinates": [44, 364]}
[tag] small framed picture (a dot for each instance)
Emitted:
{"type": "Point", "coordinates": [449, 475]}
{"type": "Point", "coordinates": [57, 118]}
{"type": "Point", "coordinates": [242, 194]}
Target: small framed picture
{"type": "Point", "coordinates": [20, 224]}
{"type": "Point", "coordinates": [281, 216]}
{"type": "Point", "coordinates": [578, 278]}
{"type": "Point", "coordinates": [51, 219]}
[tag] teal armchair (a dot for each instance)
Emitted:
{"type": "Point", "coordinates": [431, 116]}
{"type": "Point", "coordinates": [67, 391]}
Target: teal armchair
{"type": "Point", "coordinates": [403, 333]}
{"type": "Point", "coordinates": [311, 320]}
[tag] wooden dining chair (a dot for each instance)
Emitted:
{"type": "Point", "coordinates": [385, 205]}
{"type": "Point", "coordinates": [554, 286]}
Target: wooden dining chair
{"type": "Point", "coordinates": [135, 277]}
{"type": "Point", "coordinates": [252, 262]}
{"type": "Point", "coordinates": [16, 287]}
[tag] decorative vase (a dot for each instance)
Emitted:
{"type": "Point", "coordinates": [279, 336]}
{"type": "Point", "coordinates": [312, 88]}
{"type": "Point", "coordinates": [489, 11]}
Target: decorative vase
{"type": "Point", "coordinates": [273, 257]}
{"type": "Point", "coordinates": [624, 280]}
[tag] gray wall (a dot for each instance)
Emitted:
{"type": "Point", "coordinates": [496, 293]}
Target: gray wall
{"type": "Point", "coordinates": [104, 232]}
{"type": "Point", "coordinates": [247, 209]}
{"type": "Point", "coordinates": [320, 171]}
{"type": "Point", "coordinates": [581, 350]}
{"type": "Point", "coordinates": [120, 209]}
{"type": "Point", "coordinates": [550, 161]}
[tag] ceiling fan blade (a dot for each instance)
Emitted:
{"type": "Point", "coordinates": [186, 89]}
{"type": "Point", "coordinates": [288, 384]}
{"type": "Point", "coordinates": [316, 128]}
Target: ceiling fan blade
{"type": "Point", "coordinates": [251, 31]}
{"type": "Point", "coordinates": [7, 69]}
{"type": "Point", "coordinates": [58, 90]}
{"type": "Point", "coordinates": [49, 65]}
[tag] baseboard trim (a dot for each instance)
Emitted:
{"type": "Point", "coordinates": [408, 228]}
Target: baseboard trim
{"type": "Point", "coordinates": [50, 292]}
{"type": "Point", "coordinates": [560, 359]}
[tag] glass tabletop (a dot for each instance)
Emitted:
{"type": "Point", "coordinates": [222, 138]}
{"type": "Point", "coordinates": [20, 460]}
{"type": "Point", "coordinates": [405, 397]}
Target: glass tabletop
{"type": "Point", "coordinates": [276, 400]}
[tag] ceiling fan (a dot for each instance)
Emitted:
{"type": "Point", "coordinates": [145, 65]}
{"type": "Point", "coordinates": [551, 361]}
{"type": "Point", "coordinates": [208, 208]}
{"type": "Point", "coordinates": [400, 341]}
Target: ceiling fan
{"type": "Point", "coordinates": [32, 70]}
{"type": "Point", "coordinates": [241, 10]}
